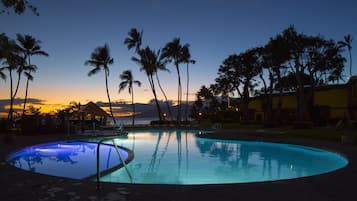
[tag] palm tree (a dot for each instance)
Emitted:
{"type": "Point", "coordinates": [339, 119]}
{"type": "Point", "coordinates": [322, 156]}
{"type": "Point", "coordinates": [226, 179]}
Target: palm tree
{"type": "Point", "coordinates": [29, 46]}
{"type": "Point", "coordinates": [161, 65]}
{"type": "Point", "coordinates": [148, 61]}
{"type": "Point", "coordinates": [134, 39]}
{"type": "Point", "coordinates": [347, 43]}
{"type": "Point", "coordinates": [186, 56]}
{"type": "Point", "coordinates": [174, 51]}
{"type": "Point", "coordinates": [100, 59]}
{"type": "Point", "coordinates": [9, 52]}
{"type": "Point", "coordinates": [128, 81]}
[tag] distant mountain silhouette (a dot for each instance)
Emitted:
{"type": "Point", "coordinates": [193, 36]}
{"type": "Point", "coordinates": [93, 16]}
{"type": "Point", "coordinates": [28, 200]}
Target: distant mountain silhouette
{"type": "Point", "coordinates": [143, 110]}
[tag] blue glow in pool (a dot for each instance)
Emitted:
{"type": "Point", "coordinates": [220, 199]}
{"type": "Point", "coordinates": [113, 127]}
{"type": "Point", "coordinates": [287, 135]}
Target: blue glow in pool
{"type": "Point", "coordinates": [178, 157]}
{"type": "Point", "coordinates": [72, 159]}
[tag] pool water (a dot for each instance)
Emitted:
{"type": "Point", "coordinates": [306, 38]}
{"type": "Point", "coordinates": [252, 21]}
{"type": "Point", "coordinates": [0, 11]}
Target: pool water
{"type": "Point", "coordinates": [179, 157]}
{"type": "Point", "coordinates": [71, 159]}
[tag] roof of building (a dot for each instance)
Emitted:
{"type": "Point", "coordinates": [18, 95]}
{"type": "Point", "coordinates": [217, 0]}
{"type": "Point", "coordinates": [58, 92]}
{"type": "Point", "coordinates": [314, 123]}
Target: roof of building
{"type": "Point", "coordinates": [93, 109]}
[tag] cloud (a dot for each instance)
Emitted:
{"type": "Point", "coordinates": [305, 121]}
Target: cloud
{"type": "Point", "coordinates": [18, 101]}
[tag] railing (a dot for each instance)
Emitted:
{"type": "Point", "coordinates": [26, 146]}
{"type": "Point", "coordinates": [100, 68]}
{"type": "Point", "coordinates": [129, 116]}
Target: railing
{"type": "Point", "coordinates": [120, 157]}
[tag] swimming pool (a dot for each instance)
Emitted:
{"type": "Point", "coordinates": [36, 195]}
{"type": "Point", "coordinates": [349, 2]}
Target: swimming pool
{"type": "Point", "coordinates": [179, 157]}
{"type": "Point", "coordinates": [71, 159]}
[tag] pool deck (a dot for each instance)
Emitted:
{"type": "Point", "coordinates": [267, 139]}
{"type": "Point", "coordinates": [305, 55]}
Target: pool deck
{"type": "Point", "coordinates": [340, 185]}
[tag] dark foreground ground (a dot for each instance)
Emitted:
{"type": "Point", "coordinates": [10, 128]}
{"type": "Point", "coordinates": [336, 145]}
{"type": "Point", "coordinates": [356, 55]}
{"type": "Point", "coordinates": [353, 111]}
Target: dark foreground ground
{"type": "Point", "coordinates": [340, 185]}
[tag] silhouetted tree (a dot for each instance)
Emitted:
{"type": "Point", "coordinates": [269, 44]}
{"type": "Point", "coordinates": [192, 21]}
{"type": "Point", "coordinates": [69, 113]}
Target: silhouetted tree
{"type": "Point", "coordinates": [347, 42]}
{"type": "Point", "coordinates": [134, 39]}
{"type": "Point", "coordinates": [206, 102]}
{"type": "Point", "coordinates": [12, 60]}
{"type": "Point", "coordinates": [161, 65]}
{"type": "Point", "coordinates": [29, 47]}
{"type": "Point", "coordinates": [128, 81]}
{"type": "Point", "coordinates": [100, 59]}
{"type": "Point", "coordinates": [241, 70]}
{"type": "Point", "coordinates": [148, 61]}
{"type": "Point", "coordinates": [314, 56]}
{"type": "Point", "coordinates": [186, 56]}
{"type": "Point", "coordinates": [19, 6]}
{"type": "Point", "coordinates": [224, 87]}
{"type": "Point", "coordinates": [299, 46]}
{"type": "Point", "coordinates": [174, 52]}
{"type": "Point", "coordinates": [275, 55]}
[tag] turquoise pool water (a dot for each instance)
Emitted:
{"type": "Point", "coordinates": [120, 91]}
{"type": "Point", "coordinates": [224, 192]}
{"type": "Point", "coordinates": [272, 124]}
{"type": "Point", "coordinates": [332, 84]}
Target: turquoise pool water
{"type": "Point", "coordinates": [178, 157]}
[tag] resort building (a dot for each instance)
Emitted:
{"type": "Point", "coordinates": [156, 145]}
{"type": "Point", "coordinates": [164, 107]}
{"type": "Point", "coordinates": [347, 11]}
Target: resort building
{"type": "Point", "coordinates": [331, 103]}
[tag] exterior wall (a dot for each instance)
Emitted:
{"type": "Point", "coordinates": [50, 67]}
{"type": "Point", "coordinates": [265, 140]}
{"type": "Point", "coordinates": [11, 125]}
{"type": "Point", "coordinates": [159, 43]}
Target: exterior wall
{"type": "Point", "coordinates": [336, 99]}
{"type": "Point", "coordinates": [288, 101]}
{"type": "Point", "coordinates": [332, 102]}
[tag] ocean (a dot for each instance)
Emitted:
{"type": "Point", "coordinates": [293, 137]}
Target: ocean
{"type": "Point", "coordinates": [138, 120]}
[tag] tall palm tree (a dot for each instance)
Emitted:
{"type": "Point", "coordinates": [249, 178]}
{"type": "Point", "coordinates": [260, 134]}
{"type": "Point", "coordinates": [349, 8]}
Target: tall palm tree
{"type": "Point", "coordinates": [347, 43]}
{"type": "Point", "coordinates": [161, 65]}
{"type": "Point", "coordinates": [128, 81]}
{"type": "Point", "coordinates": [186, 56]}
{"type": "Point", "coordinates": [148, 61]}
{"type": "Point", "coordinates": [29, 46]}
{"type": "Point", "coordinates": [174, 51]}
{"type": "Point", "coordinates": [134, 39]}
{"type": "Point", "coordinates": [100, 59]}
{"type": "Point", "coordinates": [10, 54]}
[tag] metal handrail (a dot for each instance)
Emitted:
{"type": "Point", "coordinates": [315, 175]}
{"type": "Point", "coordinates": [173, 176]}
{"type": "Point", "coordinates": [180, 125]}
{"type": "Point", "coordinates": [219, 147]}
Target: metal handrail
{"type": "Point", "coordinates": [124, 163]}
{"type": "Point", "coordinates": [120, 157]}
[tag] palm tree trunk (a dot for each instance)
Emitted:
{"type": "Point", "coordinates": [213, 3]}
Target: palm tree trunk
{"type": "Point", "coordinates": [17, 85]}
{"type": "Point", "coordinates": [280, 101]}
{"type": "Point", "coordinates": [300, 97]}
{"type": "Point", "coordinates": [132, 103]}
{"type": "Point", "coordinates": [110, 103]}
{"type": "Point", "coordinates": [11, 115]}
{"type": "Point", "coordinates": [25, 100]}
{"type": "Point", "coordinates": [350, 61]}
{"type": "Point", "coordinates": [179, 94]}
{"type": "Point", "coordinates": [187, 83]}
{"type": "Point", "coordinates": [27, 86]}
{"type": "Point", "coordinates": [151, 81]}
{"type": "Point", "coordinates": [163, 92]}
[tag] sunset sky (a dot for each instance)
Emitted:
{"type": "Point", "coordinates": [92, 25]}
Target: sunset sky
{"type": "Point", "coordinates": [71, 29]}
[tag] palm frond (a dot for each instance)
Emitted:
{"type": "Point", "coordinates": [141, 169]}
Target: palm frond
{"type": "Point", "coordinates": [122, 85]}
{"type": "Point", "coordinates": [137, 82]}
{"type": "Point", "coordinates": [93, 71]}
{"type": "Point", "coordinates": [2, 74]}
{"type": "Point", "coordinates": [29, 76]}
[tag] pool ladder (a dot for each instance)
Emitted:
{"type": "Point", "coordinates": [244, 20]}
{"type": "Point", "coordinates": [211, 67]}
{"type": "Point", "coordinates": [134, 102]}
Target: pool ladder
{"type": "Point", "coordinates": [120, 157]}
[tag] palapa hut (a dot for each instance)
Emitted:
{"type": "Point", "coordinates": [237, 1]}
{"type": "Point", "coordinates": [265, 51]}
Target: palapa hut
{"type": "Point", "coordinates": [92, 115]}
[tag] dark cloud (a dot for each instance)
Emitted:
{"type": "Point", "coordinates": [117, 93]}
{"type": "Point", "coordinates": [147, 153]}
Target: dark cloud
{"type": "Point", "coordinates": [18, 101]}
